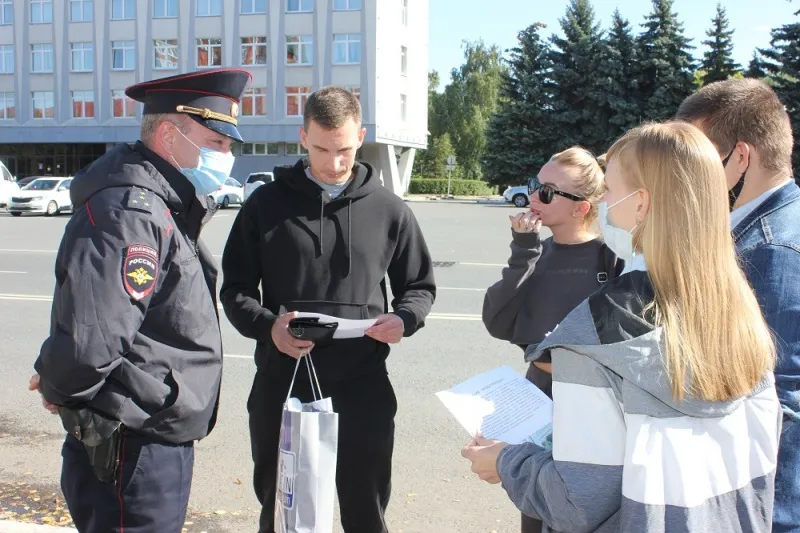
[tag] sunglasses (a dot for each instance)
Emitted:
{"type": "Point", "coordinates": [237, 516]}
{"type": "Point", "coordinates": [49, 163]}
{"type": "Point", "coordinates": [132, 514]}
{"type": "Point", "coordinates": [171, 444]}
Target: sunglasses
{"type": "Point", "coordinates": [546, 192]}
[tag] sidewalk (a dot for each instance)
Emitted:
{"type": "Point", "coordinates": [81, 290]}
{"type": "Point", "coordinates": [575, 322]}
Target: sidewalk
{"type": "Point", "coordinates": [19, 527]}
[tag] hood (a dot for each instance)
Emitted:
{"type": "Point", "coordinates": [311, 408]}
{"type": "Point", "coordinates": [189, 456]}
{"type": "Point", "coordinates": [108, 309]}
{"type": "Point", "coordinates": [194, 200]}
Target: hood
{"type": "Point", "coordinates": [123, 166]}
{"type": "Point", "coordinates": [364, 182]}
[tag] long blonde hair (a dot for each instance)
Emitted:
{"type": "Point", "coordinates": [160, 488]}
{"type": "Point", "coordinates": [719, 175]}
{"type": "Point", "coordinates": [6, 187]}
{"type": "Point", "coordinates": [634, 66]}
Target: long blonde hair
{"type": "Point", "coordinates": [718, 346]}
{"type": "Point", "coordinates": [588, 177]}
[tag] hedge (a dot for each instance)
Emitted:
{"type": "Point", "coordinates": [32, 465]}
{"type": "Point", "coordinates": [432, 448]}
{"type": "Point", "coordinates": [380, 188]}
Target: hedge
{"type": "Point", "coordinates": [457, 187]}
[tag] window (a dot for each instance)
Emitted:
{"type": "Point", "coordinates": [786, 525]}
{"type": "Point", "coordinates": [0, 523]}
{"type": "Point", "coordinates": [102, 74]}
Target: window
{"type": "Point", "coordinates": [295, 149]}
{"type": "Point", "coordinates": [403, 60]}
{"type": "Point", "coordinates": [41, 11]}
{"type": "Point", "coordinates": [403, 107]}
{"type": "Point", "coordinates": [254, 102]}
{"type": "Point", "coordinates": [6, 12]}
{"type": "Point", "coordinates": [260, 149]}
{"type": "Point", "coordinates": [404, 12]}
{"type": "Point", "coordinates": [123, 55]}
{"type": "Point", "coordinates": [347, 48]}
{"type": "Point", "coordinates": [299, 50]}
{"type": "Point", "coordinates": [82, 57]}
{"type": "Point", "coordinates": [296, 98]}
{"type": "Point", "coordinates": [7, 106]}
{"type": "Point", "coordinates": [254, 50]}
{"type": "Point", "coordinates": [346, 5]}
{"type": "Point", "coordinates": [7, 59]}
{"type": "Point", "coordinates": [122, 106]}
{"type": "Point", "coordinates": [209, 8]}
{"type": "Point", "coordinates": [299, 6]}
{"type": "Point", "coordinates": [165, 54]}
{"type": "Point", "coordinates": [41, 58]}
{"type": "Point", "coordinates": [123, 9]}
{"type": "Point", "coordinates": [43, 104]}
{"type": "Point", "coordinates": [355, 90]}
{"type": "Point", "coordinates": [250, 7]}
{"type": "Point", "coordinates": [165, 9]}
{"type": "Point", "coordinates": [82, 104]}
{"type": "Point", "coordinates": [81, 10]}
{"type": "Point", "coordinates": [209, 52]}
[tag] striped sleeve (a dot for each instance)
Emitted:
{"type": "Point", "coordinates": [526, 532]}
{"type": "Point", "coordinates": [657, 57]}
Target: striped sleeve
{"type": "Point", "coordinates": [577, 487]}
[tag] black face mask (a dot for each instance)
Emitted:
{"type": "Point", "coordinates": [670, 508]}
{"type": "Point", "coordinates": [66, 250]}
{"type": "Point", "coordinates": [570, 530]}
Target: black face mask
{"type": "Point", "coordinates": [734, 193]}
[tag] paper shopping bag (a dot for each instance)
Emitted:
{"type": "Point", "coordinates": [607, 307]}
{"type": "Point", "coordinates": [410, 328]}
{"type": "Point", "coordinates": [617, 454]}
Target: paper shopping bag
{"type": "Point", "coordinates": [306, 483]}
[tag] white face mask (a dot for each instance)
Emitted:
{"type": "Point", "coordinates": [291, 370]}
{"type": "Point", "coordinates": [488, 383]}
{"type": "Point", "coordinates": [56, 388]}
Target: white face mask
{"type": "Point", "coordinates": [619, 240]}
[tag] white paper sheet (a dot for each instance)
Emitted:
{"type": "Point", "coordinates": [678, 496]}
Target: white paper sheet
{"type": "Point", "coordinates": [502, 405]}
{"type": "Point", "coordinates": [348, 329]}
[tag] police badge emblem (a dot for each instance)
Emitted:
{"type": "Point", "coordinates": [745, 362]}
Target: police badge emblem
{"type": "Point", "coordinates": [139, 270]}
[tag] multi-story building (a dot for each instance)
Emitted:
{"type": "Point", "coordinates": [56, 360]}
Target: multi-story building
{"type": "Point", "coordinates": [64, 65]}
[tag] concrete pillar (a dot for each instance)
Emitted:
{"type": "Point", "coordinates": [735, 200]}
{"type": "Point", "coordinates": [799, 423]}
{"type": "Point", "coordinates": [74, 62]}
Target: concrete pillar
{"type": "Point", "coordinates": [404, 166]}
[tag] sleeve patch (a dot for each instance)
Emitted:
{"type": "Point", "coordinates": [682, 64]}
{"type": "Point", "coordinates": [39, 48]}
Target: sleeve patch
{"type": "Point", "coordinates": [140, 199]}
{"type": "Point", "coordinates": [139, 270]}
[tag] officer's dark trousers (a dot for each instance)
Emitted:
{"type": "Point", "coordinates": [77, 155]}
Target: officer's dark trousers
{"type": "Point", "coordinates": [150, 497]}
{"type": "Point", "coordinates": [366, 407]}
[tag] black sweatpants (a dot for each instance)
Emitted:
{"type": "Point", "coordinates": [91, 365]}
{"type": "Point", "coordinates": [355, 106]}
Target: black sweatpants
{"type": "Point", "coordinates": [366, 407]}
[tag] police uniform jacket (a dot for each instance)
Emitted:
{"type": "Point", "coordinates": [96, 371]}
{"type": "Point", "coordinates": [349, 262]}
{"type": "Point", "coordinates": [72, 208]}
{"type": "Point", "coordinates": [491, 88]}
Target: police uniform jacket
{"type": "Point", "coordinates": [134, 329]}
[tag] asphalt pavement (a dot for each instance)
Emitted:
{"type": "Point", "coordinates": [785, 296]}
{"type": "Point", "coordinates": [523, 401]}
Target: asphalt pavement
{"type": "Point", "coordinates": [433, 488]}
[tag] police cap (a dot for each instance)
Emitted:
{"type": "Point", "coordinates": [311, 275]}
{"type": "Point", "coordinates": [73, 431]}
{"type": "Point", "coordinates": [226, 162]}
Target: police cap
{"type": "Point", "coordinates": [211, 97]}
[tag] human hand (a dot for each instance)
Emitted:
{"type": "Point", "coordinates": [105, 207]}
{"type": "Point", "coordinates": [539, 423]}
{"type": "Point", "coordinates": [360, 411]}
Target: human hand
{"type": "Point", "coordinates": [483, 454]}
{"type": "Point", "coordinates": [283, 339]}
{"type": "Point", "coordinates": [526, 222]}
{"type": "Point", "coordinates": [388, 328]}
{"type": "Point", "coordinates": [33, 385]}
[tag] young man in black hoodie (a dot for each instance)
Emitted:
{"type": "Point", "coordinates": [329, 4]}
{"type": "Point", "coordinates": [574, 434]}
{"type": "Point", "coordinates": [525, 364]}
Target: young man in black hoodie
{"type": "Point", "coordinates": [323, 237]}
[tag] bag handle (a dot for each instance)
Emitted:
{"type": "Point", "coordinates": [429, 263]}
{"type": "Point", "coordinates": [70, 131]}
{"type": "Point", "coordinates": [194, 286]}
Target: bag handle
{"type": "Point", "coordinates": [312, 376]}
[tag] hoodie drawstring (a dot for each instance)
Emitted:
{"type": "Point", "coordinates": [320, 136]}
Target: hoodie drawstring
{"type": "Point", "coordinates": [321, 216]}
{"type": "Point", "coordinates": [349, 243]}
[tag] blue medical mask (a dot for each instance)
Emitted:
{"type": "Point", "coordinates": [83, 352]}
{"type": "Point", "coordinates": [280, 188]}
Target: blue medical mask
{"type": "Point", "coordinates": [619, 240]}
{"type": "Point", "coordinates": [213, 168]}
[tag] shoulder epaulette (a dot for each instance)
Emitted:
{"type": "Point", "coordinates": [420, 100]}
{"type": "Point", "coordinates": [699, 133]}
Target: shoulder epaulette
{"type": "Point", "coordinates": [139, 199]}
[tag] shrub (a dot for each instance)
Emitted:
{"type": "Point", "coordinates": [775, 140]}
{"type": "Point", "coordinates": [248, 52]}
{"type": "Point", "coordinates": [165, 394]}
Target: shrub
{"type": "Point", "coordinates": [457, 187]}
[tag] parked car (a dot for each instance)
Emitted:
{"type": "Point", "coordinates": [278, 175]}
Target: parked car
{"type": "Point", "coordinates": [231, 192]}
{"type": "Point", "coordinates": [22, 182]}
{"type": "Point", "coordinates": [255, 180]}
{"type": "Point", "coordinates": [43, 195]}
{"type": "Point", "coordinates": [8, 185]}
{"type": "Point", "coordinates": [517, 196]}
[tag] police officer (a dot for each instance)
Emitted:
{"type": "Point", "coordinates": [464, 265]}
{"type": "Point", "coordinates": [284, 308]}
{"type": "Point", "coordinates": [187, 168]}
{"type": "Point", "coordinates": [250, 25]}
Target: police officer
{"type": "Point", "coordinates": [133, 362]}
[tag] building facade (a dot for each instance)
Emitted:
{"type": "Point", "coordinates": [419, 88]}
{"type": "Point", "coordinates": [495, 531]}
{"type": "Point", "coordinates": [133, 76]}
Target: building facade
{"type": "Point", "coordinates": [64, 65]}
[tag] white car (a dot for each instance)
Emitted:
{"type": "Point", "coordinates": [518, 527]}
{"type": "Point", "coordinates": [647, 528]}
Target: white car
{"type": "Point", "coordinates": [44, 195]}
{"type": "Point", "coordinates": [517, 196]}
{"type": "Point", "coordinates": [255, 180]}
{"type": "Point", "coordinates": [231, 192]}
{"type": "Point", "coordinates": [8, 185]}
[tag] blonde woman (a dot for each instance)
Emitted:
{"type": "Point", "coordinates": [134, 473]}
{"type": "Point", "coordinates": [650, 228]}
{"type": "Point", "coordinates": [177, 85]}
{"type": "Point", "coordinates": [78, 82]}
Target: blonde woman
{"type": "Point", "coordinates": [665, 412]}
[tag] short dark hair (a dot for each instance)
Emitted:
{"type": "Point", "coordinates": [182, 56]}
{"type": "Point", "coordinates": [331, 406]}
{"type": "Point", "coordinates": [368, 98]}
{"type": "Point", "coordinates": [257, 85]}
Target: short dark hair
{"type": "Point", "coordinates": [746, 110]}
{"type": "Point", "coordinates": [331, 107]}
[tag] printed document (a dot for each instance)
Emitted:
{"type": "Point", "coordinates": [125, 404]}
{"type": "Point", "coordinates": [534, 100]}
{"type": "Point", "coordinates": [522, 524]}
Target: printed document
{"type": "Point", "coordinates": [347, 329]}
{"type": "Point", "coordinates": [502, 405]}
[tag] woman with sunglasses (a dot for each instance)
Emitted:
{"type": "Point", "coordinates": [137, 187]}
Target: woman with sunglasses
{"type": "Point", "coordinates": [665, 415]}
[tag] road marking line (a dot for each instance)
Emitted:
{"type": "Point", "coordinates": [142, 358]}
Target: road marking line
{"type": "Point", "coordinates": [12, 272]}
{"type": "Point", "coordinates": [482, 264]}
{"type": "Point", "coordinates": [459, 289]}
{"type": "Point", "coordinates": [21, 251]}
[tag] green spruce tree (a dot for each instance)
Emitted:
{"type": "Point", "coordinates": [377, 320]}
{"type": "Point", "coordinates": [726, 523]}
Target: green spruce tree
{"type": "Point", "coordinates": [718, 62]}
{"type": "Point", "coordinates": [619, 78]}
{"type": "Point", "coordinates": [667, 76]}
{"type": "Point", "coordinates": [579, 105]}
{"type": "Point", "coordinates": [520, 137]}
{"type": "Point", "coordinates": [756, 67]}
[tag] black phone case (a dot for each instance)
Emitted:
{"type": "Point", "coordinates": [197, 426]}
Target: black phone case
{"type": "Point", "coordinates": [311, 329]}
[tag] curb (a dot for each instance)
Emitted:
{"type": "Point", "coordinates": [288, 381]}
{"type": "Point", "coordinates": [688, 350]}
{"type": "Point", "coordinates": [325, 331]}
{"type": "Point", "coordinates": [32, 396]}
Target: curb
{"type": "Point", "coordinates": [424, 199]}
{"type": "Point", "coordinates": [20, 527]}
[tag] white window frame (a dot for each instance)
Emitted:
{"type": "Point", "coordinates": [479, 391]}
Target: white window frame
{"type": "Point", "coordinates": [251, 7]}
{"type": "Point", "coordinates": [44, 95]}
{"type": "Point", "coordinates": [44, 50]}
{"type": "Point", "coordinates": [210, 43]}
{"type": "Point", "coordinates": [303, 43]}
{"type": "Point", "coordinates": [83, 100]}
{"type": "Point", "coordinates": [404, 13]}
{"type": "Point", "coordinates": [6, 8]}
{"type": "Point", "coordinates": [125, 7]}
{"type": "Point", "coordinates": [81, 50]}
{"type": "Point", "coordinates": [347, 5]}
{"type": "Point", "coordinates": [167, 46]}
{"type": "Point", "coordinates": [164, 13]}
{"type": "Point", "coordinates": [301, 104]}
{"type": "Point", "coordinates": [261, 148]}
{"type": "Point", "coordinates": [403, 107]}
{"type": "Point", "coordinates": [209, 5]}
{"type": "Point", "coordinates": [255, 46]}
{"type": "Point", "coordinates": [7, 59]}
{"type": "Point", "coordinates": [303, 6]}
{"type": "Point", "coordinates": [349, 42]}
{"type": "Point", "coordinates": [81, 4]}
{"type": "Point", "coordinates": [5, 99]}
{"type": "Point", "coordinates": [39, 6]}
{"type": "Point", "coordinates": [119, 94]}
{"type": "Point", "coordinates": [296, 149]}
{"type": "Point", "coordinates": [125, 47]}
{"type": "Point", "coordinates": [251, 94]}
